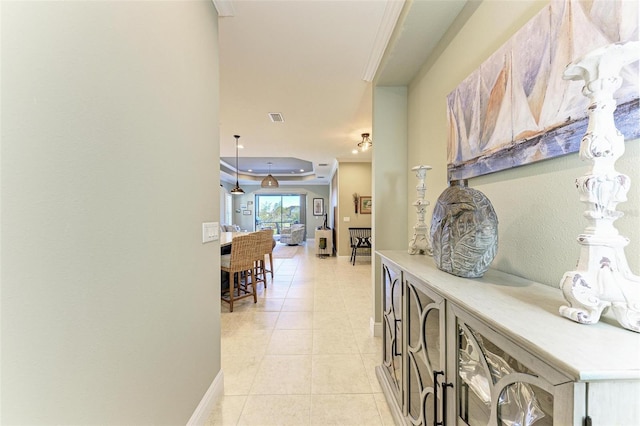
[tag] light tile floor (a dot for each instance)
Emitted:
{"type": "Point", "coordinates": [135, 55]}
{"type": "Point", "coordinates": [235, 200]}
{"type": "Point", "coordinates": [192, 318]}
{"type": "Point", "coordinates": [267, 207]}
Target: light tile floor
{"type": "Point", "coordinates": [303, 355]}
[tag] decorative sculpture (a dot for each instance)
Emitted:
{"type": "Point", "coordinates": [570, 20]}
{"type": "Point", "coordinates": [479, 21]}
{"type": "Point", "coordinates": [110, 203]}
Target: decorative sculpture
{"type": "Point", "coordinates": [420, 242]}
{"type": "Point", "coordinates": [464, 231]}
{"type": "Point", "coordinates": [602, 278]}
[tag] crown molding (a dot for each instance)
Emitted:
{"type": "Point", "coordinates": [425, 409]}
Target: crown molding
{"type": "Point", "coordinates": [225, 8]}
{"type": "Point", "coordinates": [389, 19]}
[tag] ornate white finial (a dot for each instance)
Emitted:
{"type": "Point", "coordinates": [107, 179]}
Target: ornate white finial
{"type": "Point", "coordinates": [602, 278]}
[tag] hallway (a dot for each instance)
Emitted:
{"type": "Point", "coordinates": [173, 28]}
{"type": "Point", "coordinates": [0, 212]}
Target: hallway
{"type": "Point", "coordinates": [303, 355]}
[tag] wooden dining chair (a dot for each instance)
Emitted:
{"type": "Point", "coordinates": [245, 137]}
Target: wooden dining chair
{"type": "Point", "coordinates": [241, 264]}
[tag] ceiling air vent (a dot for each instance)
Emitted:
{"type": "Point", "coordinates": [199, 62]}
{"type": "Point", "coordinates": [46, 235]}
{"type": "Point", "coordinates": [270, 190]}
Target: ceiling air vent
{"type": "Point", "coordinates": [322, 165]}
{"type": "Point", "coordinates": [276, 117]}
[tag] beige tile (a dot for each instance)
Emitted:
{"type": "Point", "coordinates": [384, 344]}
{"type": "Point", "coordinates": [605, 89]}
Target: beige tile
{"type": "Point", "coordinates": [229, 321]}
{"type": "Point", "coordinates": [268, 410]}
{"type": "Point", "coordinates": [257, 320]}
{"type": "Point", "coordinates": [371, 362]}
{"type": "Point", "coordinates": [298, 305]}
{"type": "Point", "coordinates": [328, 289]}
{"type": "Point", "coordinates": [300, 292]}
{"type": "Point", "coordinates": [281, 279]}
{"type": "Point", "coordinates": [328, 303]}
{"type": "Point", "coordinates": [226, 411]}
{"type": "Point", "coordinates": [250, 342]}
{"type": "Point", "coordinates": [276, 290]}
{"type": "Point", "coordinates": [290, 342]}
{"type": "Point", "coordinates": [324, 320]}
{"type": "Point", "coordinates": [239, 373]}
{"type": "Point", "coordinates": [295, 321]}
{"type": "Point", "coordinates": [311, 305]}
{"type": "Point", "coordinates": [331, 341]}
{"type": "Point", "coordinates": [367, 344]}
{"type": "Point", "coordinates": [383, 410]}
{"type": "Point", "coordinates": [344, 410]}
{"type": "Point", "coordinates": [339, 374]}
{"type": "Point", "coordinates": [269, 305]}
{"type": "Point", "coordinates": [283, 375]}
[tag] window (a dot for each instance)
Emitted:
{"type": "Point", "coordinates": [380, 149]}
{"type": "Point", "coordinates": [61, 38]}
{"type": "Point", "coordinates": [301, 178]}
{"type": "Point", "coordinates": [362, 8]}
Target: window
{"type": "Point", "coordinates": [278, 211]}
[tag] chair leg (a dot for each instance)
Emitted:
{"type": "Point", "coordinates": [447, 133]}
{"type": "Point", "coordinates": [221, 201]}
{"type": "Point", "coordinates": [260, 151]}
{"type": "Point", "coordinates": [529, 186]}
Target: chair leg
{"type": "Point", "coordinates": [263, 270]}
{"type": "Point", "coordinates": [232, 289]}
{"type": "Point", "coordinates": [259, 272]}
{"type": "Point", "coordinates": [255, 290]}
{"type": "Point", "coordinates": [271, 264]}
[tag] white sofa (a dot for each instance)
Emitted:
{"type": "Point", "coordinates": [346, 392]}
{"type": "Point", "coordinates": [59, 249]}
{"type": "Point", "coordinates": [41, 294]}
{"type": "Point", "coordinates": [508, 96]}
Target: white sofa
{"type": "Point", "coordinates": [293, 235]}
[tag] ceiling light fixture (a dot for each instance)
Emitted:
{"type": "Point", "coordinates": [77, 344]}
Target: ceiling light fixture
{"type": "Point", "coordinates": [366, 142]}
{"type": "Point", "coordinates": [269, 181]}
{"type": "Point", "coordinates": [237, 190]}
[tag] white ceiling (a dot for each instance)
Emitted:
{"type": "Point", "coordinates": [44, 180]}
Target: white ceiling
{"type": "Point", "coordinates": [306, 59]}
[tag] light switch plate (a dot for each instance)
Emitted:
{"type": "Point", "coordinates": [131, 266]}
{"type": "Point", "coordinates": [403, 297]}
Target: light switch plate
{"type": "Point", "coordinates": [210, 232]}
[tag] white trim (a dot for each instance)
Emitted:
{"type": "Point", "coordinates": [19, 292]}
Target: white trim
{"type": "Point", "coordinates": [208, 401]}
{"type": "Point", "coordinates": [225, 8]}
{"type": "Point", "coordinates": [388, 23]}
{"type": "Point", "coordinates": [376, 327]}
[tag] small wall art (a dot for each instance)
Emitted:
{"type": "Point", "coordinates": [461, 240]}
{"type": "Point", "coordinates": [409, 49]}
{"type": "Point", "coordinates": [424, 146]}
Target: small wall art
{"type": "Point", "coordinates": [365, 204]}
{"type": "Point", "coordinates": [246, 212]}
{"type": "Point", "coordinates": [318, 206]}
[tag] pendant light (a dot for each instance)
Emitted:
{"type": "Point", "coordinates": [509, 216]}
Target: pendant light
{"type": "Point", "coordinates": [237, 190]}
{"type": "Point", "coordinates": [269, 181]}
{"type": "Point", "coordinates": [366, 142]}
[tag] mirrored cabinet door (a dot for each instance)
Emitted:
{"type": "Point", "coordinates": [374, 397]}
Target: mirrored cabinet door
{"type": "Point", "coordinates": [425, 361]}
{"type": "Point", "coordinates": [392, 325]}
{"type": "Point", "coordinates": [494, 387]}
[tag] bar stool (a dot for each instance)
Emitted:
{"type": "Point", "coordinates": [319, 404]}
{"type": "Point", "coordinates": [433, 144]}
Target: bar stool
{"type": "Point", "coordinates": [265, 248]}
{"type": "Point", "coordinates": [240, 262]}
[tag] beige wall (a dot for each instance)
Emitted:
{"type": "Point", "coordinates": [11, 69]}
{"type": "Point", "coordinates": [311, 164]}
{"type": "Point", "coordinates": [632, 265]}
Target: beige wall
{"type": "Point", "coordinates": [537, 205]}
{"type": "Point", "coordinates": [353, 178]}
{"type": "Point", "coordinates": [110, 306]}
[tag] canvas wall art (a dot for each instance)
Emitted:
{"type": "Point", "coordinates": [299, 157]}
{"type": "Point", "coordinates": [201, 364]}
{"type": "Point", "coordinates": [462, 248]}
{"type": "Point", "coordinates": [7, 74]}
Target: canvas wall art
{"type": "Point", "coordinates": [517, 109]}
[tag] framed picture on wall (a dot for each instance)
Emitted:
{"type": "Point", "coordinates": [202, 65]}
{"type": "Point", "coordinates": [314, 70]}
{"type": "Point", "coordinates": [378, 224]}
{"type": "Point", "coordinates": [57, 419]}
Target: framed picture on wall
{"type": "Point", "coordinates": [246, 212]}
{"type": "Point", "coordinates": [318, 206]}
{"type": "Point", "coordinates": [365, 204]}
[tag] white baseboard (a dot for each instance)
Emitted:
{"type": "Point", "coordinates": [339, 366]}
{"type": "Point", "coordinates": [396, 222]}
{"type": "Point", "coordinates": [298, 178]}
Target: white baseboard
{"type": "Point", "coordinates": [376, 327]}
{"type": "Point", "coordinates": [211, 396]}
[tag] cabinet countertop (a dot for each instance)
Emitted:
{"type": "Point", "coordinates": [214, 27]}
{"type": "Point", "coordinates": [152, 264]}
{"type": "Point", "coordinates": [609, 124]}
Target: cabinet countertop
{"type": "Point", "coordinates": [527, 313]}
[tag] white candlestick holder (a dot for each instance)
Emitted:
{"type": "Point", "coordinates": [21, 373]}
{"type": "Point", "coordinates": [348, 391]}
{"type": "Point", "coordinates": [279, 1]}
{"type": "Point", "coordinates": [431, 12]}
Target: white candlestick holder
{"type": "Point", "coordinates": [420, 242]}
{"type": "Point", "coordinates": [602, 278]}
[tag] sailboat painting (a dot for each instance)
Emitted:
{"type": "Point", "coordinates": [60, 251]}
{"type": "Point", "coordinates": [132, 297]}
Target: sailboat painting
{"type": "Point", "coordinates": [517, 109]}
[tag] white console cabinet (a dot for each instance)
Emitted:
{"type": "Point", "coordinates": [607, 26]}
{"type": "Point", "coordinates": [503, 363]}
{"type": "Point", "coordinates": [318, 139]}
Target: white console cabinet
{"type": "Point", "coordinates": [495, 351]}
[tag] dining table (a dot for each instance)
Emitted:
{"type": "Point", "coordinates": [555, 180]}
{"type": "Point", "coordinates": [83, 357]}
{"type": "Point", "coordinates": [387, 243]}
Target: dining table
{"type": "Point", "coordinates": [227, 237]}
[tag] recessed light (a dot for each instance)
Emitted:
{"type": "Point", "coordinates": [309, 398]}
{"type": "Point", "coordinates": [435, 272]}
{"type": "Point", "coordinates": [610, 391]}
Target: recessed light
{"type": "Point", "coordinates": [355, 151]}
{"type": "Point", "coordinates": [240, 146]}
{"type": "Point", "coordinates": [301, 170]}
{"type": "Point", "coordinates": [249, 170]}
